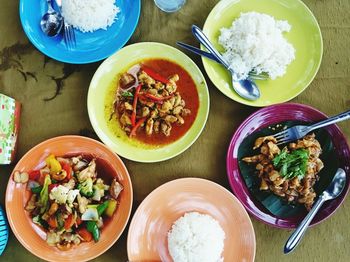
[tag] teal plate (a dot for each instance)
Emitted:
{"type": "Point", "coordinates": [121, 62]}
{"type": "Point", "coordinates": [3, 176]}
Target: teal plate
{"type": "Point", "coordinates": [90, 47]}
{"type": "Point", "coordinates": [4, 231]}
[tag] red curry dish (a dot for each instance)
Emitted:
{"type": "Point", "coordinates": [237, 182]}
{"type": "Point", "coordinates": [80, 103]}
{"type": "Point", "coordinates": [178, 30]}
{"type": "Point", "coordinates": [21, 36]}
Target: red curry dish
{"type": "Point", "coordinates": [156, 101]}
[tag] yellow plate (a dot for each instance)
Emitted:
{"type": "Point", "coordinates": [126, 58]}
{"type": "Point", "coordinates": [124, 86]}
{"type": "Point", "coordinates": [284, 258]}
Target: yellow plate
{"type": "Point", "coordinates": [305, 36]}
{"type": "Point", "coordinates": [101, 96]}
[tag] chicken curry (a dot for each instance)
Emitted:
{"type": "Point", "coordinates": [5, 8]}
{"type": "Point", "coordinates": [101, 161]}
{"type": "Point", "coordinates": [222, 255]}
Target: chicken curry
{"type": "Point", "coordinates": [156, 101]}
{"type": "Point", "coordinates": [291, 172]}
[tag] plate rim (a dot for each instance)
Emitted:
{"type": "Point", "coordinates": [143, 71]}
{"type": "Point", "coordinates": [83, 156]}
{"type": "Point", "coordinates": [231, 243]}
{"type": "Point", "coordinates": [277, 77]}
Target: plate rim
{"type": "Point", "coordinates": [111, 145]}
{"type": "Point", "coordinates": [7, 192]}
{"type": "Point", "coordinates": [193, 179]}
{"type": "Point", "coordinates": [80, 62]}
{"type": "Point", "coordinates": [253, 103]}
{"type": "Point", "coordinates": [241, 191]}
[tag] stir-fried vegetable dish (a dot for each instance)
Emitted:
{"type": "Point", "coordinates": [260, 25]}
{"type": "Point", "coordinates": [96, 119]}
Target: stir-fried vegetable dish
{"type": "Point", "coordinates": [70, 200]}
{"type": "Point", "coordinates": [148, 102]}
{"type": "Point", "coordinates": [291, 172]}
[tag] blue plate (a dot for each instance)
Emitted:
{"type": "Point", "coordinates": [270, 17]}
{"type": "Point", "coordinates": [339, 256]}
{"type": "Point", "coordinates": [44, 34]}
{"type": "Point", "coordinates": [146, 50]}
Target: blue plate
{"type": "Point", "coordinates": [91, 47]}
{"type": "Point", "coordinates": [4, 231]}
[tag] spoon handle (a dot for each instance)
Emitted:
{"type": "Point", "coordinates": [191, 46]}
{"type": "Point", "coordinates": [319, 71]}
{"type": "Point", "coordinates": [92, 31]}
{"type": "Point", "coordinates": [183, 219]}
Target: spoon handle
{"type": "Point", "coordinates": [334, 119]}
{"type": "Point", "coordinates": [203, 39]}
{"type": "Point", "coordinates": [297, 235]}
{"type": "Point", "coordinates": [49, 6]}
{"type": "Point", "coordinates": [198, 51]}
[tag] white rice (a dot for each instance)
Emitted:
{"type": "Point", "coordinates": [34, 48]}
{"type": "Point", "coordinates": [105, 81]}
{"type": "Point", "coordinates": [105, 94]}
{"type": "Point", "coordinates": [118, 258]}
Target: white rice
{"type": "Point", "coordinates": [89, 15]}
{"type": "Point", "coordinates": [255, 42]}
{"type": "Point", "coordinates": [196, 237]}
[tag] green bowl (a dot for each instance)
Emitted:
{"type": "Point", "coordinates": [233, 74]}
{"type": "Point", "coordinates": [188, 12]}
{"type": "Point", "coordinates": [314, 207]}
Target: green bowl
{"type": "Point", "coordinates": [305, 36]}
{"type": "Point", "coordinates": [101, 96]}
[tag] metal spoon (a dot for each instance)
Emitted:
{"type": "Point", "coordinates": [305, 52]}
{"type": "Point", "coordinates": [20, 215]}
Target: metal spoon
{"type": "Point", "coordinates": [51, 23]}
{"type": "Point", "coordinates": [245, 88]}
{"type": "Point", "coordinates": [333, 191]}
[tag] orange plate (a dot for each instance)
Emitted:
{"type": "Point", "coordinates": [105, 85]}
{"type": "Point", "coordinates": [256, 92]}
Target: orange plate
{"type": "Point", "coordinates": [147, 237]}
{"type": "Point", "coordinates": [31, 236]}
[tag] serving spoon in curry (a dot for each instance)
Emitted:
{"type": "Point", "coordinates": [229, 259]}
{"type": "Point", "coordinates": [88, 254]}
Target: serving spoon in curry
{"type": "Point", "coordinates": [246, 88]}
{"type": "Point", "coordinates": [333, 190]}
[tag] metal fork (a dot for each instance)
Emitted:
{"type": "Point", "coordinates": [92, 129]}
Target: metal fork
{"type": "Point", "coordinates": [68, 32]}
{"type": "Point", "coordinates": [69, 36]}
{"type": "Point", "coordinates": [252, 74]}
{"type": "Point", "coordinates": [297, 132]}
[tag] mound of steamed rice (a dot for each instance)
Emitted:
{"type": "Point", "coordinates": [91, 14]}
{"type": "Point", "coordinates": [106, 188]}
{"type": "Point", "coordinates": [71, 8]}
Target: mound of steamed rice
{"type": "Point", "coordinates": [196, 237]}
{"type": "Point", "coordinates": [255, 42]}
{"type": "Point", "coordinates": [89, 15]}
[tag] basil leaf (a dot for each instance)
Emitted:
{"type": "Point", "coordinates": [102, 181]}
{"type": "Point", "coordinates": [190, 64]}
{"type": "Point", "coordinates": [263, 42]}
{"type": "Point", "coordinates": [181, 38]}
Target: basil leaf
{"type": "Point", "coordinates": [293, 164]}
{"type": "Point", "coordinates": [127, 94]}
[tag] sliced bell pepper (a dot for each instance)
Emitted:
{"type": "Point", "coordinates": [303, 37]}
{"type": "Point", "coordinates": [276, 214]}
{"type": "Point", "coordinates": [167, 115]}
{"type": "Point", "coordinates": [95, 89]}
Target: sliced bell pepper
{"type": "Point", "coordinates": [138, 124]}
{"type": "Point", "coordinates": [112, 206]}
{"type": "Point", "coordinates": [66, 167]}
{"type": "Point", "coordinates": [53, 164]}
{"type": "Point", "coordinates": [155, 75]}
{"type": "Point", "coordinates": [69, 222]}
{"type": "Point", "coordinates": [52, 221]}
{"type": "Point", "coordinates": [48, 159]}
{"type": "Point", "coordinates": [34, 175]}
{"type": "Point", "coordinates": [85, 234]}
{"type": "Point", "coordinates": [91, 226]}
{"type": "Point", "coordinates": [133, 115]}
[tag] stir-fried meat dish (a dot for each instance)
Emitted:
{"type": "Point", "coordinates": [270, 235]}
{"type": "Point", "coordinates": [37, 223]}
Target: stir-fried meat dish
{"type": "Point", "coordinates": [70, 201]}
{"type": "Point", "coordinates": [149, 102]}
{"type": "Point", "coordinates": [291, 172]}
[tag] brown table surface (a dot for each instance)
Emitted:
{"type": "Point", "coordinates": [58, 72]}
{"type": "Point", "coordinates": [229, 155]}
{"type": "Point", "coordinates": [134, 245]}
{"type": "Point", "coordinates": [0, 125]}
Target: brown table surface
{"type": "Point", "coordinates": [53, 96]}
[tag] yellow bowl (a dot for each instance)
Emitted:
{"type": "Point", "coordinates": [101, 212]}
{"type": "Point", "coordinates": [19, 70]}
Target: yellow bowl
{"type": "Point", "coordinates": [101, 95]}
{"type": "Point", "coordinates": [305, 36]}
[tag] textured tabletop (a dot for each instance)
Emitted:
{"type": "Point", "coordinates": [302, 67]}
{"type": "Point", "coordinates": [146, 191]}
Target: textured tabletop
{"type": "Point", "coordinates": [53, 96]}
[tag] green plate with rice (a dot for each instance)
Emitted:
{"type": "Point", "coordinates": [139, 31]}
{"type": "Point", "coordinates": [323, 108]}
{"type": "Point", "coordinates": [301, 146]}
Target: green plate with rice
{"type": "Point", "coordinates": [305, 36]}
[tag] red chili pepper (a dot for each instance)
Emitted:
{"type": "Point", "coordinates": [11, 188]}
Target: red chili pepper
{"type": "Point", "coordinates": [34, 175]}
{"type": "Point", "coordinates": [155, 75]}
{"type": "Point", "coordinates": [147, 99]}
{"type": "Point", "coordinates": [66, 167]}
{"type": "Point", "coordinates": [133, 115]}
{"type": "Point", "coordinates": [138, 124]}
{"type": "Point", "coordinates": [157, 98]}
{"type": "Point", "coordinates": [52, 186]}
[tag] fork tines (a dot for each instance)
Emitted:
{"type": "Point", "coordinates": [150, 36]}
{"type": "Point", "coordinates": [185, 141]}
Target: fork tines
{"type": "Point", "coordinates": [69, 36]}
{"type": "Point", "coordinates": [281, 137]}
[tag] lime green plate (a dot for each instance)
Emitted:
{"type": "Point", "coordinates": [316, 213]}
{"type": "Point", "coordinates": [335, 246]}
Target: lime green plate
{"type": "Point", "coordinates": [101, 96]}
{"type": "Point", "coordinates": [305, 36]}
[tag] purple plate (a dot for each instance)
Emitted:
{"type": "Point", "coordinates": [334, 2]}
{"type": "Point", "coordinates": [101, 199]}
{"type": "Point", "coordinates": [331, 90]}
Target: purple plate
{"type": "Point", "coordinates": [273, 115]}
